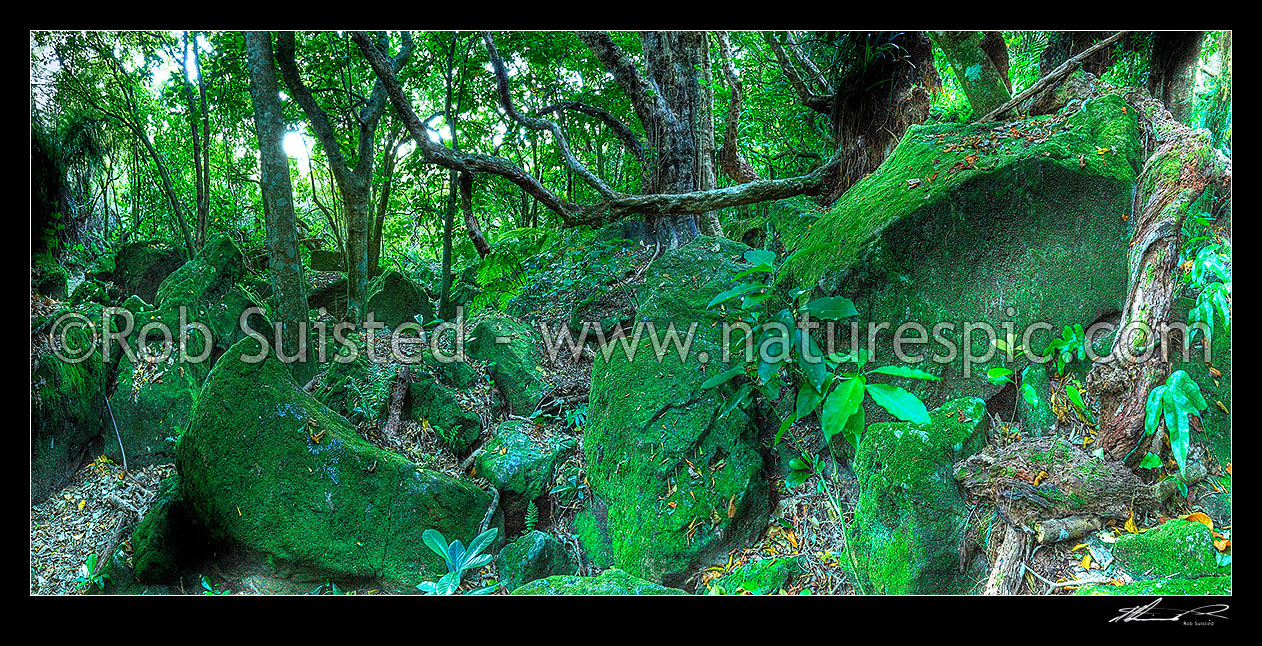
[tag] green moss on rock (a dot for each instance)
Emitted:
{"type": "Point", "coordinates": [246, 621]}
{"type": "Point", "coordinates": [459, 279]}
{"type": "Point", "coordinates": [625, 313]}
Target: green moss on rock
{"type": "Point", "coordinates": [268, 466]}
{"type": "Point", "coordinates": [394, 300]}
{"type": "Point", "coordinates": [674, 484]}
{"type": "Point", "coordinates": [1176, 548]}
{"type": "Point", "coordinates": [520, 465]}
{"type": "Point", "coordinates": [511, 351]}
{"type": "Point", "coordinates": [911, 517]}
{"type": "Point", "coordinates": [767, 576]}
{"type": "Point", "coordinates": [534, 556]}
{"type": "Point", "coordinates": [610, 582]}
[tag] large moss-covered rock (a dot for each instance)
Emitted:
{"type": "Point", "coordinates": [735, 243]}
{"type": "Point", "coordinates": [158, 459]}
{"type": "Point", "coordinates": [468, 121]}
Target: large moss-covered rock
{"type": "Point", "coordinates": [51, 280]}
{"type": "Point", "coordinates": [326, 260]}
{"type": "Point", "coordinates": [1175, 549]}
{"type": "Point", "coordinates": [268, 466]}
{"type": "Point", "coordinates": [206, 278]}
{"type": "Point", "coordinates": [155, 395]}
{"type": "Point", "coordinates": [911, 517]}
{"type": "Point", "coordinates": [610, 582]}
{"type": "Point", "coordinates": [140, 267]}
{"type": "Point", "coordinates": [164, 537]}
{"type": "Point", "coordinates": [520, 465]}
{"type": "Point", "coordinates": [767, 576]}
{"type": "Point", "coordinates": [674, 483]}
{"type": "Point", "coordinates": [1017, 222]}
{"type": "Point", "coordinates": [1162, 587]}
{"type": "Point", "coordinates": [90, 291]}
{"type": "Point", "coordinates": [394, 300]}
{"type": "Point", "coordinates": [511, 350]}
{"type": "Point", "coordinates": [67, 403]}
{"type": "Point", "coordinates": [534, 556]}
{"type": "Point", "coordinates": [326, 290]}
{"type": "Point", "coordinates": [434, 404]}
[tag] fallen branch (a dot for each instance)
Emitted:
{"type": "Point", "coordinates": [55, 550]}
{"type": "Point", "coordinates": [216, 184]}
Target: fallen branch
{"type": "Point", "coordinates": [1053, 77]}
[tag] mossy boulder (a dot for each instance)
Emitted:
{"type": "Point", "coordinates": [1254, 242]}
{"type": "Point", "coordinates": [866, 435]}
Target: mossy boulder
{"type": "Point", "coordinates": [135, 305]}
{"type": "Point", "coordinates": [511, 350]}
{"type": "Point", "coordinates": [326, 260]}
{"type": "Point", "coordinates": [358, 389]}
{"type": "Point", "coordinates": [520, 463]}
{"type": "Point", "coordinates": [435, 404]}
{"type": "Point", "coordinates": [1175, 549]}
{"type": "Point", "coordinates": [394, 300]}
{"type": "Point", "coordinates": [91, 291]}
{"type": "Point", "coordinates": [67, 403]}
{"type": "Point", "coordinates": [51, 280]}
{"type": "Point", "coordinates": [1209, 585]}
{"type": "Point", "coordinates": [206, 279]}
{"type": "Point", "coordinates": [1020, 222]}
{"type": "Point", "coordinates": [911, 516]}
{"type": "Point", "coordinates": [326, 290]}
{"type": "Point", "coordinates": [165, 537]}
{"type": "Point", "coordinates": [140, 267]}
{"type": "Point", "coordinates": [266, 465]}
{"type": "Point", "coordinates": [610, 582]}
{"type": "Point", "coordinates": [534, 556]}
{"type": "Point", "coordinates": [767, 576]}
{"type": "Point", "coordinates": [675, 483]}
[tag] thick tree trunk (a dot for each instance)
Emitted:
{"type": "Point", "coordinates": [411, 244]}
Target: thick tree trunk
{"type": "Point", "coordinates": [1172, 72]}
{"type": "Point", "coordinates": [358, 215]}
{"type": "Point", "coordinates": [289, 296]}
{"type": "Point", "coordinates": [470, 220]}
{"type": "Point", "coordinates": [974, 68]}
{"type": "Point", "coordinates": [1183, 169]}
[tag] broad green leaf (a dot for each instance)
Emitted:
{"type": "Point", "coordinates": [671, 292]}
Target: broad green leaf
{"type": "Point", "coordinates": [904, 371]}
{"type": "Point", "coordinates": [1152, 409]}
{"type": "Point", "coordinates": [831, 308]}
{"type": "Point", "coordinates": [1150, 461]}
{"type": "Point", "coordinates": [845, 399]}
{"type": "Point", "coordinates": [998, 375]}
{"type": "Point", "coordinates": [899, 403]}
{"type": "Point", "coordinates": [739, 290]}
{"type": "Point", "coordinates": [722, 377]}
{"type": "Point", "coordinates": [736, 399]}
{"type": "Point", "coordinates": [436, 542]}
{"type": "Point", "coordinates": [760, 257]}
{"type": "Point", "coordinates": [853, 431]}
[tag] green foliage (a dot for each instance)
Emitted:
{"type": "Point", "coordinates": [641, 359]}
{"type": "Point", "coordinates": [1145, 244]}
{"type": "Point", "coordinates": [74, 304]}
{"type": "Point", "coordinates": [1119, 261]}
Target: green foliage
{"type": "Point", "coordinates": [89, 576]}
{"type": "Point", "coordinates": [459, 560]}
{"type": "Point", "coordinates": [1207, 256]}
{"type": "Point", "coordinates": [800, 364]}
{"type": "Point", "coordinates": [1070, 345]}
{"type": "Point", "coordinates": [802, 468]}
{"type": "Point", "coordinates": [208, 588]}
{"type": "Point", "coordinates": [1171, 403]}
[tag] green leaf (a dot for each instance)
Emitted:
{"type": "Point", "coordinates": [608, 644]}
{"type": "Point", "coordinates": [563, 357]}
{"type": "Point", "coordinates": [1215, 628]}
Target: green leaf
{"type": "Point", "coordinates": [1152, 409]}
{"type": "Point", "coordinates": [853, 431]}
{"type": "Point", "coordinates": [436, 542]}
{"type": "Point", "coordinates": [739, 290]}
{"type": "Point", "coordinates": [899, 403]}
{"type": "Point", "coordinates": [845, 399]}
{"type": "Point", "coordinates": [722, 377]}
{"type": "Point", "coordinates": [831, 308]}
{"type": "Point", "coordinates": [1150, 461]}
{"type": "Point", "coordinates": [999, 375]}
{"type": "Point", "coordinates": [904, 371]}
{"type": "Point", "coordinates": [760, 257]}
{"type": "Point", "coordinates": [759, 269]}
{"type": "Point", "coordinates": [736, 399]}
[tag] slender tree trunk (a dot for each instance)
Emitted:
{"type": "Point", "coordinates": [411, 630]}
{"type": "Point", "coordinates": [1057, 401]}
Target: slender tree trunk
{"type": "Point", "coordinates": [446, 310]}
{"type": "Point", "coordinates": [203, 202]}
{"type": "Point", "coordinates": [383, 205]}
{"type": "Point", "coordinates": [289, 296]}
{"type": "Point", "coordinates": [974, 68]}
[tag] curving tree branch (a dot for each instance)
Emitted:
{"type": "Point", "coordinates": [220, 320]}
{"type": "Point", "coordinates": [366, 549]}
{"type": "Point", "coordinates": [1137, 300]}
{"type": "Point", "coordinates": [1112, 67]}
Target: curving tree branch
{"type": "Point", "coordinates": [535, 123]}
{"type": "Point", "coordinates": [622, 131]}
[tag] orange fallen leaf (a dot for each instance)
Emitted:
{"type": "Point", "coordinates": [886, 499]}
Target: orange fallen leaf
{"type": "Point", "coordinates": [731, 507]}
{"type": "Point", "coordinates": [1199, 517]}
{"type": "Point", "coordinates": [1086, 562]}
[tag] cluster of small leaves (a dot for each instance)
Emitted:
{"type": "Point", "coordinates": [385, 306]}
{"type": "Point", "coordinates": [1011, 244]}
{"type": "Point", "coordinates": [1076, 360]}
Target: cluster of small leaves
{"type": "Point", "coordinates": [1172, 403]}
{"type": "Point", "coordinates": [88, 575]}
{"type": "Point", "coordinates": [1207, 258]}
{"type": "Point", "coordinates": [1070, 345]}
{"type": "Point", "coordinates": [459, 559]}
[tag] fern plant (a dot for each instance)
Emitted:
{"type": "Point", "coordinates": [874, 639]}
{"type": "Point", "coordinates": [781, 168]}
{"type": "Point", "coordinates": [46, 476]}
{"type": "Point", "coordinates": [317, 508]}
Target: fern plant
{"type": "Point", "coordinates": [532, 517]}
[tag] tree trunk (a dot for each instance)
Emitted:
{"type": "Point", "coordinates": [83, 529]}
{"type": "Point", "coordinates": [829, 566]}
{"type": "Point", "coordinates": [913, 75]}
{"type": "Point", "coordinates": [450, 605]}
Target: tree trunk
{"type": "Point", "coordinates": [1172, 72]}
{"type": "Point", "coordinates": [1144, 345]}
{"type": "Point", "coordinates": [974, 68]}
{"type": "Point", "coordinates": [289, 296]}
{"type": "Point", "coordinates": [445, 309]}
